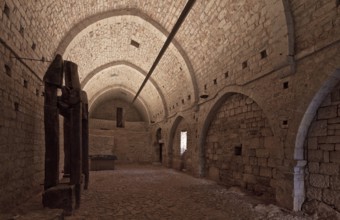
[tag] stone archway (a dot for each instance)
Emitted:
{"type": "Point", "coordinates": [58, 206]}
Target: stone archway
{"type": "Point", "coordinates": [306, 140]}
{"type": "Point", "coordinates": [238, 146]}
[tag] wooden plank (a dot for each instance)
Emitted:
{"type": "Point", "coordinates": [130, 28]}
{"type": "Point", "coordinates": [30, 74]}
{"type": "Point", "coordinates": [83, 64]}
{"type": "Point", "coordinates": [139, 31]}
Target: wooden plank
{"type": "Point", "coordinates": [53, 81]}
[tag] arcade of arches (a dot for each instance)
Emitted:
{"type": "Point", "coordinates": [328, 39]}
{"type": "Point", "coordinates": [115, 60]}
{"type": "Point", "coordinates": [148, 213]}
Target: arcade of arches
{"type": "Point", "coordinates": [254, 84]}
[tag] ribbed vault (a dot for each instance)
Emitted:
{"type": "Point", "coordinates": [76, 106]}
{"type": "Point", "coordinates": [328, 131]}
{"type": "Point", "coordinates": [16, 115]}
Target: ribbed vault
{"type": "Point", "coordinates": [207, 53]}
{"type": "Point", "coordinates": [131, 40]}
{"type": "Point", "coordinates": [122, 76]}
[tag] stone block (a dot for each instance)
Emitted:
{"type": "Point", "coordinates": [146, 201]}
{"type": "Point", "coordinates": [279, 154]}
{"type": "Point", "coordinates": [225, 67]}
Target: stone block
{"type": "Point", "coordinates": [334, 157]}
{"type": "Point", "coordinates": [329, 169]}
{"type": "Point", "coordinates": [265, 172]}
{"type": "Point", "coordinates": [337, 204]}
{"type": "Point", "coordinates": [334, 120]}
{"type": "Point", "coordinates": [335, 182]}
{"type": "Point", "coordinates": [262, 153]}
{"type": "Point", "coordinates": [326, 147]}
{"type": "Point", "coordinates": [263, 162]}
{"type": "Point", "coordinates": [270, 142]}
{"type": "Point", "coordinates": [245, 160]}
{"type": "Point", "coordinates": [313, 167]}
{"type": "Point", "coordinates": [252, 160]}
{"type": "Point", "coordinates": [318, 180]}
{"type": "Point", "coordinates": [247, 169]}
{"type": "Point", "coordinates": [256, 170]}
{"type": "Point", "coordinates": [266, 132]}
{"type": "Point", "coordinates": [333, 132]}
{"type": "Point", "coordinates": [61, 196]}
{"type": "Point", "coordinates": [328, 112]}
{"type": "Point", "coordinates": [314, 193]}
{"type": "Point", "coordinates": [329, 140]}
{"type": "Point", "coordinates": [315, 155]}
{"type": "Point", "coordinates": [274, 162]}
{"type": "Point", "coordinates": [318, 128]}
{"type": "Point", "coordinates": [102, 162]}
{"type": "Point", "coordinates": [312, 143]}
{"type": "Point", "coordinates": [329, 196]}
{"type": "Point", "coordinates": [251, 152]}
{"type": "Point", "coordinates": [326, 156]}
{"type": "Point", "coordinates": [333, 126]}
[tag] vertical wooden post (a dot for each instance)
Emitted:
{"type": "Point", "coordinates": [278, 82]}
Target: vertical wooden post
{"type": "Point", "coordinates": [72, 82]}
{"type": "Point", "coordinates": [52, 80]}
{"type": "Point", "coordinates": [85, 136]}
{"type": "Point", "coordinates": [67, 145]}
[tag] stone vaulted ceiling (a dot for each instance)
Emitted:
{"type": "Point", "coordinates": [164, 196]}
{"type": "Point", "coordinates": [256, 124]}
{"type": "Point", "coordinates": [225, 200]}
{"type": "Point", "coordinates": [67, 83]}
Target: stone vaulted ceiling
{"type": "Point", "coordinates": [209, 48]}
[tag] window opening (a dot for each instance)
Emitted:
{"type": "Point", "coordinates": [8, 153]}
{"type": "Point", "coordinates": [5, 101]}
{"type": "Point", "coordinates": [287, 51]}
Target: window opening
{"type": "Point", "coordinates": [120, 118]}
{"type": "Point", "coordinates": [184, 141]}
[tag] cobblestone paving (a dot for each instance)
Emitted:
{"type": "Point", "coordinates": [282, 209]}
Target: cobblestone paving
{"type": "Point", "coordinates": [151, 192]}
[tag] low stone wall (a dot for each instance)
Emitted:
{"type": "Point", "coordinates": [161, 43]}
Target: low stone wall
{"type": "Point", "coordinates": [131, 144]}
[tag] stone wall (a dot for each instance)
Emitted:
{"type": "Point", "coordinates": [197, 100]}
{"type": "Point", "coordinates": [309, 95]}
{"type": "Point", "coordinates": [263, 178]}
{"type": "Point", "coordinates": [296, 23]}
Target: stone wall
{"type": "Point", "coordinates": [108, 110]}
{"type": "Point", "coordinates": [322, 148]}
{"type": "Point", "coordinates": [131, 144]}
{"type": "Point", "coordinates": [21, 131]}
{"type": "Point", "coordinates": [313, 29]}
{"type": "Point", "coordinates": [240, 149]}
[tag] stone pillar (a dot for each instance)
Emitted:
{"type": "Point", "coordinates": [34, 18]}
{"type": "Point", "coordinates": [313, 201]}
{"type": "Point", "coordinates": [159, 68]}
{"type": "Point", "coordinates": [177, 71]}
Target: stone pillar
{"type": "Point", "coordinates": [85, 137]}
{"type": "Point", "coordinates": [53, 80]}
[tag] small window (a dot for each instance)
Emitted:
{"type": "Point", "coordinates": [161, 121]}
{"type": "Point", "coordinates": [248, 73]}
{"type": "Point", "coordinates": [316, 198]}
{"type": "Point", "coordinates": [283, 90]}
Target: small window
{"type": "Point", "coordinates": [34, 46]}
{"type": "Point", "coordinates": [184, 141]}
{"type": "Point", "coordinates": [263, 54]}
{"type": "Point", "coordinates": [6, 10]}
{"type": "Point", "coordinates": [238, 150]}
{"type": "Point", "coordinates": [22, 30]}
{"type": "Point", "coordinates": [120, 118]}
{"type": "Point", "coordinates": [134, 43]}
{"type": "Point", "coordinates": [285, 85]}
{"type": "Point", "coordinates": [226, 74]}
{"type": "Point", "coordinates": [16, 106]}
{"type": "Point", "coordinates": [8, 70]}
{"type": "Point", "coordinates": [244, 64]}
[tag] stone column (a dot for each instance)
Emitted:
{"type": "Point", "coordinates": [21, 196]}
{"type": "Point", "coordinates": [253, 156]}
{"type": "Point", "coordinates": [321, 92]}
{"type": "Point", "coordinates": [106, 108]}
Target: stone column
{"type": "Point", "coordinates": [53, 80]}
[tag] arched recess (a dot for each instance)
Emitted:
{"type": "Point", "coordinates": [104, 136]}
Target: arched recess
{"type": "Point", "coordinates": [133, 66]}
{"type": "Point", "coordinates": [219, 99]}
{"type": "Point", "coordinates": [78, 28]}
{"type": "Point", "coordinates": [175, 158]}
{"type": "Point", "coordinates": [299, 152]}
{"type": "Point", "coordinates": [139, 103]}
{"type": "Point", "coordinates": [238, 145]}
